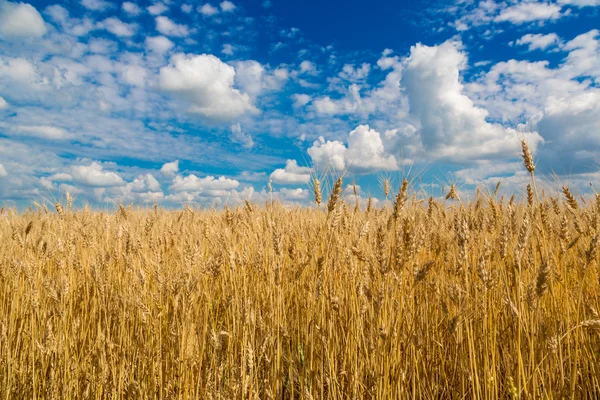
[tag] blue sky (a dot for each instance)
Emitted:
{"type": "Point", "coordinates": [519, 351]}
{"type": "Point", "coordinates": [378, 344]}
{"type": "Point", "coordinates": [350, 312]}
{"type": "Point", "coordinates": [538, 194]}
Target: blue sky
{"type": "Point", "coordinates": [206, 102]}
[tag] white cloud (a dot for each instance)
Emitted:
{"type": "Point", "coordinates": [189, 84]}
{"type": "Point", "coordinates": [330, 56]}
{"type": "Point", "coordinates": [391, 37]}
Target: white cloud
{"type": "Point", "coordinates": [3, 172]}
{"type": "Point", "coordinates": [170, 169]}
{"type": "Point", "coordinates": [253, 78]}
{"type": "Point", "coordinates": [291, 174]}
{"type": "Point", "coordinates": [581, 3]}
{"type": "Point", "coordinates": [227, 6]}
{"type": "Point", "coordinates": [20, 20]}
{"type": "Point", "coordinates": [207, 83]}
{"type": "Point", "coordinates": [294, 194]}
{"type": "Point", "coordinates": [539, 41]}
{"type": "Point", "coordinates": [131, 8]}
{"type": "Point", "coordinates": [192, 183]}
{"type": "Point", "coordinates": [117, 27]}
{"type": "Point", "coordinates": [451, 126]}
{"type": "Point", "coordinates": [241, 137]}
{"type": "Point", "coordinates": [61, 177]}
{"type": "Point", "coordinates": [529, 11]}
{"type": "Point", "coordinates": [355, 74]}
{"type": "Point", "coordinates": [365, 152]}
{"type": "Point", "coordinates": [94, 175]}
{"type": "Point", "coordinates": [208, 10]}
{"type": "Point", "coordinates": [3, 103]}
{"type": "Point", "coordinates": [300, 100]}
{"type": "Point", "coordinates": [159, 44]}
{"type": "Point", "coordinates": [96, 5]}
{"type": "Point", "coordinates": [187, 8]}
{"type": "Point", "coordinates": [307, 67]}
{"type": "Point", "coordinates": [167, 27]}
{"type": "Point", "coordinates": [157, 8]}
{"type": "Point", "coordinates": [228, 49]}
{"type": "Point", "coordinates": [39, 131]}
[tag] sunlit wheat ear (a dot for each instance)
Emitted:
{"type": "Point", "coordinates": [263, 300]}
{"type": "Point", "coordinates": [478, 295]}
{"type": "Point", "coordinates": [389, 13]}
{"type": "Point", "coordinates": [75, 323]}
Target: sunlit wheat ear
{"type": "Point", "coordinates": [571, 200]}
{"type": "Point", "coordinates": [317, 191]}
{"type": "Point", "coordinates": [497, 188]}
{"type": "Point", "coordinates": [527, 157]}
{"type": "Point", "coordinates": [386, 187]}
{"type": "Point", "coordinates": [335, 195]}
{"type": "Point", "coordinates": [400, 199]}
{"type": "Point", "coordinates": [529, 195]}
{"type": "Point", "coordinates": [452, 194]}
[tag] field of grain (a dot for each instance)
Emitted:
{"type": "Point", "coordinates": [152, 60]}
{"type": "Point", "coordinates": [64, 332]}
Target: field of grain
{"type": "Point", "coordinates": [423, 298]}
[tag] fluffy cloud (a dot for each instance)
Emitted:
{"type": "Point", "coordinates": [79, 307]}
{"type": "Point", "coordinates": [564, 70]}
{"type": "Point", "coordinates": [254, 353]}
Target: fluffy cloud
{"type": "Point", "coordinates": [581, 3]}
{"type": "Point", "coordinates": [3, 103]}
{"type": "Point", "coordinates": [167, 27]}
{"type": "Point", "coordinates": [241, 137]}
{"type": "Point", "coordinates": [94, 175]}
{"type": "Point", "coordinates": [300, 100]}
{"type": "Point", "coordinates": [20, 20]}
{"type": "Point", "coordinates": [157, 8]}
{"type": "Point", "coordinates": [207, 83]}
{"type": "Point", "coordinates": [228, 49]}
{"type": "Point", "coordinates": [227, 6]}
{"type": "Point", "coordinates": [529, 11]}
{"type": "Point", "coordinates": [170, 169]}
{"type": "Point", "coordinates": [117, 27]}
{"type": "Point", "coordinates": [39, 131]}
{"type": "Point", "coordinates": [291, 174]}
{"type": "Point", "coordinates": [451, 126]}
{"type": "Point", "coordinates": [131, 8]}
{"type": "Point", "coordinates": [538, 41]}
{"type": "Point", "coordinates": [365, 152]}
{"type": "Point", "coordinates": [298, 194]}
{"type": "Point", "coordinates": [208, 10]}
{"type": "Point", "coordinates": [3, 172]}
{"type": "Point", "coordinates": [252, 78]}
{"type": "Point", "coordinates": [192, 183]}
{"type": "Point", "coordinates": [355, 74]}
{"type": "Point", "coordinates": [96, 5]}
{"type": "Point", "coordinates": [159, 44]}
{"type": "Point", "coordinates": [571, 124]}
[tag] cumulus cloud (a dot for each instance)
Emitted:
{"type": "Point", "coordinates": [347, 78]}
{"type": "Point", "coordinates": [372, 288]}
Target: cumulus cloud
{"type": "Point", "coordinates": [538, 41]}
{"type": "Point", "coordinates": [117, 27]}
{"type": "Point", "coordinates": [96, 5]}
{"type": "Point", "coordinates": [365, 152]}
{"type": "Point", "coordinates": [208, 10]}
{"type": "Point", "coordinates": [167, 27]}
{"type": "Point", "coordinates": [298, 194]}
{"type": "Point", "coordinates": [529, 11]}
{"type": "Point", "coordinates": [3, 103]}
{"type": "Point", "coordinates": [300, 99]}
{"type": "Point", "coordinates": [192, 183]}
{"type": "Point", "coordinates": [355, 74]}
{"type": "Point", "coordinates": [157, 8]}
{"type": "Point", "coordinates": [131, 8]}
{"type": "Point", "coordinates": [581, 3]}
{"type": "Point", "coordinates": [253, 78]}
{"type": "Point", "coordinates": [170, 168]}
{"type": "Point", "coordinates": [20, 20]}
{"type": "Point", "coordinates": [228, 49]}
{"type": "Point", "coordinates": [451, 126]}
{"type": "Point", "coordinates": [241, 137]}
{"type": "Point", "coordinates": [3, 172]}
{"type": "Point", "coordinates": [40, 131]}
{"type": "Point", "coordinates": [94, 175]}
{"type": "Point", "coordinates": [227, 6]}
{"type": "Point", "coordinates": [291, 174]}
{"type": "Point", "coordinates": [159, 44]}
{"type": "Point", "coordinates": [208, 84]}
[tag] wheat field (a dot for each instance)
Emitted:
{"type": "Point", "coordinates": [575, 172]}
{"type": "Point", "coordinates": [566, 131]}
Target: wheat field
{"type": "Point", "coordinates": [421, 298]}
